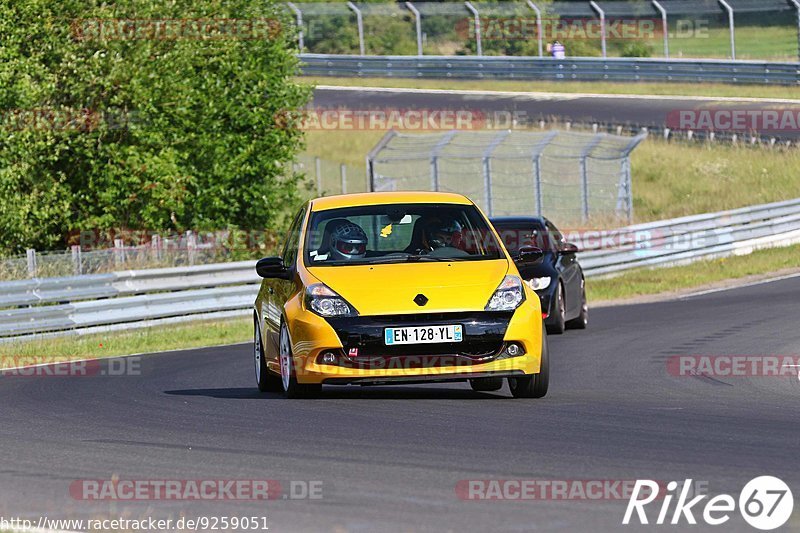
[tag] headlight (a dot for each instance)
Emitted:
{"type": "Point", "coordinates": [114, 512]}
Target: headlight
{"type": "Point", "coordinates": [508, 296]}
{"type": "Point", "coordinates": [322, 300]}
{"type": "Point", "coordinates": [538, 284]}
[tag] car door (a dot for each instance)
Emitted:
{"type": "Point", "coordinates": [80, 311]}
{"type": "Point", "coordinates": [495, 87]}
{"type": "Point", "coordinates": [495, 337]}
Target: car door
{"type": "Point", "coordinates": [278, 291]}
{"type": "Point", "coordinates": [567, 265]}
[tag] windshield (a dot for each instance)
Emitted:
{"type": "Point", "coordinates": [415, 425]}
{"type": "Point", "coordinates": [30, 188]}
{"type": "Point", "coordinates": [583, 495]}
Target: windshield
{"type": "Point", "coordinates": [399, 233]}
{"type": "Point", "coordinates": [515, 236]}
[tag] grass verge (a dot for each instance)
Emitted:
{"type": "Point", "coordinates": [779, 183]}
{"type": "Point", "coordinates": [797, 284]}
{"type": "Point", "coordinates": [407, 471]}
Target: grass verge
{"type": "Point", "coordinates": [144, 340]}
{"type": "Point", "coordinates": [641, 88]}
{"type": "Point", "coordinates": [642, 282]}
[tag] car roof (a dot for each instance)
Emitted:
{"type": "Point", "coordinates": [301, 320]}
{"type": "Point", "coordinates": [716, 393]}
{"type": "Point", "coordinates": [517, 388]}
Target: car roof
{"type": "Point", "coordinates": [379, 198]}
{"type": "Point", "coordinates": [514, 221]}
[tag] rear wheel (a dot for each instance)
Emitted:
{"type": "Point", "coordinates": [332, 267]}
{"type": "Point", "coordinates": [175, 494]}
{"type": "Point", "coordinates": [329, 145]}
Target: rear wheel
{"type": "Point", "coordinates": [557, 322]}
{"type": "Point", "coordinates": [267, 382]}
{"type": "Point", "coordinates": [583, 319]}
{"type": "Point", "coordinates": [486, 384]}
{"type": "Point", "coordinates": [534, 385]}
{"type": "Point", "coordinates": [291, 388]}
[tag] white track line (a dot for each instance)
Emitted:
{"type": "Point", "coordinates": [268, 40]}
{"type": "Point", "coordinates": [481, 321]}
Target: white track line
{"type": "Point", "coordinates": [565, 96]}
{"type": "Point", "coordinates": [742, 286]}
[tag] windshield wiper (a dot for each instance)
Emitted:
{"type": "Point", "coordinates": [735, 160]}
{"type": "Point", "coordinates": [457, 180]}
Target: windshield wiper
{"type": "Point", "coordinates": [411, 258]}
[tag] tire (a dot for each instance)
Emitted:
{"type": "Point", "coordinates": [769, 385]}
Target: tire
{"type": "Point", "coordinates": [583, 319]}
{"type": "Point", "coordinates": [534, 385]}
{"type": "Point", "coordinates": [557, 323]}
{"type": "Point", "coordinates": [291, 388]}
{"type": "Point", "coordinates": [267, 382]}
{"type": "Point", "coordinates": [486, 384]}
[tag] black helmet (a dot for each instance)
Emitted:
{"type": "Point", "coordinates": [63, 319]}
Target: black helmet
{"type": "Point", "coordinates": [348, 241]}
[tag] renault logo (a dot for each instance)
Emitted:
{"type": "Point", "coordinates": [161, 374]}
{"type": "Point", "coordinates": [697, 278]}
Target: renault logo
{"type": "Point", "coordinates": [420, 299]}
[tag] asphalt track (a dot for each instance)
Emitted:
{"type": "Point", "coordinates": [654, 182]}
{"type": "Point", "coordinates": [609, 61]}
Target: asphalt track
{"type": "Point", "coordinates": [390, 458]}
{"type": "Point", "coordinates": [610, 110]}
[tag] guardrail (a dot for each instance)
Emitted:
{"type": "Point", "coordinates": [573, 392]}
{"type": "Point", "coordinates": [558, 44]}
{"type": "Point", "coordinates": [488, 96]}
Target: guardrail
{"type": "Point", "coordinates": [120, 297]}
{"type": "Point", "coordinates": [81, 303]}
{"type": "Point", "coordinates": [687, 239]}
{"type": "Point", "coordinates": [536, 68]}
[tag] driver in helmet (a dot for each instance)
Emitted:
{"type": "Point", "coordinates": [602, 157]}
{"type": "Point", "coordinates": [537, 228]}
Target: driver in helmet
{"type": "Point", "coordinates": [442, 233]}
{"type": "Point", "coordinates": [347, 241]}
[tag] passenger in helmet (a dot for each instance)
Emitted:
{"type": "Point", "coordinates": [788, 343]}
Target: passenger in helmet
{"type": "Point", "coordinates": [347, 241]}
{"type": "Point", "coordinates": [442, 233]}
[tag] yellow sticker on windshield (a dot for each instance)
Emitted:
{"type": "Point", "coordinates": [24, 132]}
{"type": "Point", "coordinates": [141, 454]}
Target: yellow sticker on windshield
{"type": "Point", "coordinates": [385, 232]}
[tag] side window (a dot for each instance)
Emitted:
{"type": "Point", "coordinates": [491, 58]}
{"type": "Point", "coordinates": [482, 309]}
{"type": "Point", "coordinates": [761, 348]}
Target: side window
{"type": "Point", "coordinates": [554, 236]}
{"type": "Point", "coordinates": [293, 239]}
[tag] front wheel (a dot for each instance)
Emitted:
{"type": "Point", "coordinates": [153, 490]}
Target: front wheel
{"type": "Point", "coordinates": [291, 388]}
{"type": "Point", "coordinates": [534, 385]}
{"type": "Point", "coordinates": [557, 322]}
{"type": "Point", "coordinates": [267, 382]}
{"type": "Point", "coordinates": [583, 319]}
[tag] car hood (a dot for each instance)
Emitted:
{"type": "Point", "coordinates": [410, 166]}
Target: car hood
{"type": "Point", "coordinates": [391, 289]}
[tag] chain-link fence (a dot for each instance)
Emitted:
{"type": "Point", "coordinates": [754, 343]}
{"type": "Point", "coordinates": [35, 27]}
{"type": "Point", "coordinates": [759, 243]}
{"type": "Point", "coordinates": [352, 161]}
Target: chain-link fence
{"type": "Point", "coordinates": [575, 177]}
{"type": "Point", "coordinates": [735, 29]}
{"type": "Point", "coordinates": [325, 177]}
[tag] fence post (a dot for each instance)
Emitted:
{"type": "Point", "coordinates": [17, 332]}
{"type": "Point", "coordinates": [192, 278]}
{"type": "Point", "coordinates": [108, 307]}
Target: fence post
{"type": "Point", "coordinates": [32, 267]}
{"type": "Point", "coordinates": [299, 16]}
{"type": "Point", "coordinates": [155, 246]}
{"type": "Point", "coordinates": [537, 168]}
{"type": "Point", "coordinates": [665, 24]}
{"type": "Point", "coordinates": [318, 175]}
{"type": "Point", "coordinates": [602, 26]}
{"type": "Point", "coordinates": [343, 172]}
{"type": "Point", "coordinates": [487, 169]}
{"type": "Point", "coordinates": [626, 183]}
{"type": "Point", "coordinates": [191, 246]}
{"type": "Point", "coordinates": [477, 17]}
{"type": "Point", "coordinates": [119, 252]}
{"type": "Point", "coordinates": [584, 166]}
{"type": "Point", "coordinates": [77, 259]}
{"type": "Point", "coordinates": [418, 20]}
{"type": "Point", "coordinates": [391, 134]}
{"type": "Point", "coordinates": [732, 25]}
{"type": "Point", "coordinates": [538, 25]}
{"type": "Point", "coordinates": [360, 22]}
{"type": "Point", "coordinates": [797, 7]}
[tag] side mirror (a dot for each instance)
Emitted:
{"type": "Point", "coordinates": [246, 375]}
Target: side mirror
{"type": "Point", "coordinates": [272, 267]}
{"type": "Point", "coordinates": [530, 255]}
{"type": "Point", "coordinates": [569, 248]}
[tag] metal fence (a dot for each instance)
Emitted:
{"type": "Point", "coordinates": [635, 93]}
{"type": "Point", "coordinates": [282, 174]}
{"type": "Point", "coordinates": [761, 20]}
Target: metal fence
{"type": "Point", "coordinates": [325, 177]}
{"type": "Point", "coordinates": [83, 304]}
{"type": "Point", "coordinates": [574, 69]}
{"type": "Point", "coordinates": [733, 29]}
{"type": "Point", "coordinates": [576, 177]}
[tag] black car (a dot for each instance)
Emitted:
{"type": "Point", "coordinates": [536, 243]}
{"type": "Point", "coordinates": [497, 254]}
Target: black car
{"type": "Point", "coordinates": [558, 279]}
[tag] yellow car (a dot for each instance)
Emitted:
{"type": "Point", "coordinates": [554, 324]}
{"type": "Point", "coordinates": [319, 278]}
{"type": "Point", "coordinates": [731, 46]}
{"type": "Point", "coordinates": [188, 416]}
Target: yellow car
{"type": "Point", "coordinates": [394, 288]}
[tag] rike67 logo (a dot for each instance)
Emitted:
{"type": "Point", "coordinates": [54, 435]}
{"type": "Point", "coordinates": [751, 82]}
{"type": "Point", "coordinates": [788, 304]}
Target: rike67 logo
{"type": "Point", "coordinates": [766, 503]}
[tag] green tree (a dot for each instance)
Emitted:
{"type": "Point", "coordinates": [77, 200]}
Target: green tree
{"type": "Point", "coordinates": [108, 123]}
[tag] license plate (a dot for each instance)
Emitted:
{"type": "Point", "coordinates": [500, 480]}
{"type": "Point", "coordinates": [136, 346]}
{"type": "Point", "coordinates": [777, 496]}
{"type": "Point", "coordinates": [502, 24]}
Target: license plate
{"type": "Point", "coordinates": [423, 335]}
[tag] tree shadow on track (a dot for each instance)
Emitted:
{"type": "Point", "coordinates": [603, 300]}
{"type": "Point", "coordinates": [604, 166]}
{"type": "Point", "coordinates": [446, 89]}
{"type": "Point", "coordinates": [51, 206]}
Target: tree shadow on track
{"type": "Point", "coordinates": [349, 393]}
